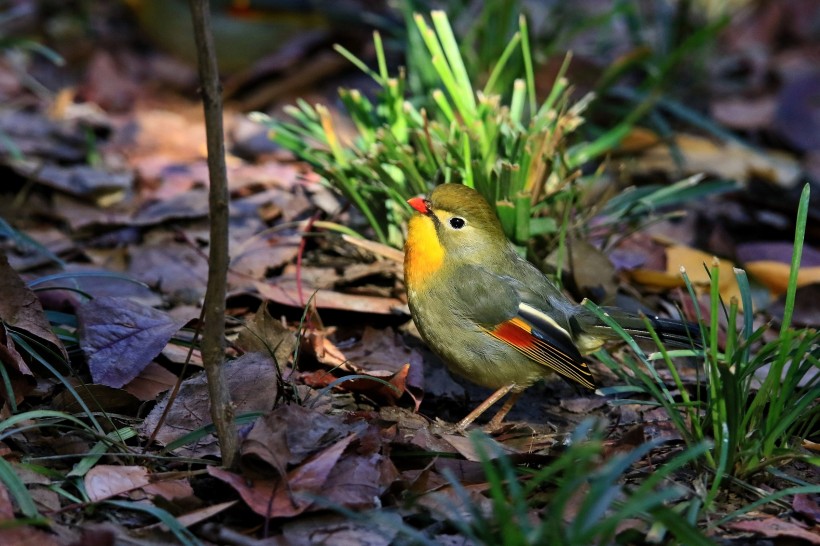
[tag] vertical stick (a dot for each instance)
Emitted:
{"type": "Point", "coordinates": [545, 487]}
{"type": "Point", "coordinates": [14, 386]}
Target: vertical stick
{"type": "Point", "coordinates": [213, 333]}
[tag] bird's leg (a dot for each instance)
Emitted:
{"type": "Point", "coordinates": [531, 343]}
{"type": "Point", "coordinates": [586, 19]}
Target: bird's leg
{"type": "Point", "coordinates": [485, 405]}
{"type": "Point", "coordinates": [495, 422]}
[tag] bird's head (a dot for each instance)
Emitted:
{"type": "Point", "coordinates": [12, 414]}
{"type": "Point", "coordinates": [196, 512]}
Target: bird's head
{"type": "Point", "coordinates": [455, 222]}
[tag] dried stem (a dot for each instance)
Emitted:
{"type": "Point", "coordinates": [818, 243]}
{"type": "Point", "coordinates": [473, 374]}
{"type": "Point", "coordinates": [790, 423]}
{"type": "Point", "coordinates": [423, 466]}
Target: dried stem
{"type": "Point", "coordinates": [213, 339]}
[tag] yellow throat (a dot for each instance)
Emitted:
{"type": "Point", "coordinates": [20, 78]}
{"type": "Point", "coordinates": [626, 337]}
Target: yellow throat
{"type": "Point", "coordinates": [423, 254]}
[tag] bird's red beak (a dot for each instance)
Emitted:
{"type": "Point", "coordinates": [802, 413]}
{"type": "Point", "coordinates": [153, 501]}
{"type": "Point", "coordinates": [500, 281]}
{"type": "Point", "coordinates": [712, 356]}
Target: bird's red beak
{"type": "Point", "coordinates": [420, 204]}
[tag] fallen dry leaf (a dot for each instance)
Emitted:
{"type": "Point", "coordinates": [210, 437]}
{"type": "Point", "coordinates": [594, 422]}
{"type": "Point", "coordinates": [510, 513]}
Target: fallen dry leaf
{"type": "Point", "coordinates": [693, 261]}
{"type": "Point", "coordinates": [811, 446]}
{"type": "Point", "coordinates": [380, 391]}
{"type": "Point", "coordinates": [20, 379]}
{"type": "Point", "coordinates": [583, 404]}
{"type": "Point", "coordinates": [772, 527]}
{"type": "Point", "coordinates": [187, 519]}
{"type": "Point", "coordinates": [174, 268]}
{"type": "Point", "coordinates": [744, 113]}
{"type": "Point", "coordinates": [20, 308]}
{"type": "Point", "coordinates": [251, 260]}
{"type": "Point", "coordinates": [291, 433]}
{"type": "Point", "coordinates": [630, 439]}
{"type": "Point", "coordinates": [726, 160]}
{"type": "Point", "coordinates": [34, 134]}
{"type": "Point", "coordinates": [170, 490]}
{"type": "Point", "coordinates": [252, 381]}
{"type": "Point", "coordinates": [777, 251]}
{"type": "Point", "coordinates": [54, 242]}
{"type": "Point", "coordinates": [325, 351]}
{"type": "Point", "coordinates": [315, 444]}
{"type": "Point", "coordinates": [190, 205]}
{"type": "Point", "coordinates": [379, 353]}
{"type": "Point", "coordinates": [342, 531]}
{"type": "Point", "coordinates": [463, 505]}
{"type": "Point", "coordinates": [98, 398]}
{"type": "Point", "coordinates": [98, 185]}
{"type": "Point", "coordinates": [121, 337]}
{"type": "Point", "coordinates": [286, 293]}
{"type": "Point", "coordinates": [807, 506]}
{"type": "Point", "coordinates": [39, 488]}
{"type": "Point", "coordinates": [469, 450]}
{"type": "Point", "coordinates": [198, 516]}
{"type": "Point", "coordinates": [177, 135]}
{"type": "Point", "coordinates": [425, 439]}
{"type": "Point", "coordinates": [106, 481]}
{"type": "Point", "coordinates": [151, 382]}
{"type": "Point", "coordinates": [358, 481]}
{"type": "Point", "coordinates": [264, 334]}
{"type": "Point", "coordinates": [382, 350]}
{"type": "Point", "coordinates": [107, 83]}
{"type": "Point", "coordinates": [797, 117]}
{"type": "Point", "coordinates": [96, 281]}
{"type": "Point", "coordinates": [775, 275]}
{"type": "Point", "coordinates": [374, 247]}
{"type": "Point", "coordinates": [592, 273]}
{"type": "Point", "coordinates": [293, 494]}
{"type": "Point", "coordinates": [80, 215]}
{"type": "Point", "coordinates": [178, 354]}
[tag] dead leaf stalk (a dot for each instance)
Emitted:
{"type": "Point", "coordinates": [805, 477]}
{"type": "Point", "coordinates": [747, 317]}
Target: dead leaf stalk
{"type": "Point", "coordinates": [213, 341]}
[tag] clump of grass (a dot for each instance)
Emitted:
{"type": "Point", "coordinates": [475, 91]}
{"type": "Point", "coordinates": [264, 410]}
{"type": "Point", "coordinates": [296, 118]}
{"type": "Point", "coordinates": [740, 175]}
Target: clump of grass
{"type": "Point", "coordinates": [579, 499]}
{"type": "Point", "coordinates": [437, 124]}
{"type": "Point", "coordinates": [759, 400]}
{"type": "Point", "coordinates": [516, 152]}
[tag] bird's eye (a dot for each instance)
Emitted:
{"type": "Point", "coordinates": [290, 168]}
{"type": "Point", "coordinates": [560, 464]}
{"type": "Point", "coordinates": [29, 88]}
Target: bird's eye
{"type": "Point", "coordinates": [456, 222]}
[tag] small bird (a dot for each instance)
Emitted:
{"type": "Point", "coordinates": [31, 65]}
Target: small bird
{"type": "Point", "coordinates": [491, 315]}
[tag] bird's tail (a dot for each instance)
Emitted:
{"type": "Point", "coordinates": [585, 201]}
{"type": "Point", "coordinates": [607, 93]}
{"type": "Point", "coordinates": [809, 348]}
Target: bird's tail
{"type": "Point", "coordinates": [595, 332]}
{"type": "Point", "coordinates": [677, 332]}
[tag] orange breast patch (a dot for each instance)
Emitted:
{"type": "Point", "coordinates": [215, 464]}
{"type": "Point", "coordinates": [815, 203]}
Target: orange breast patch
{"type": "Point", "coordinates": [423, 254]}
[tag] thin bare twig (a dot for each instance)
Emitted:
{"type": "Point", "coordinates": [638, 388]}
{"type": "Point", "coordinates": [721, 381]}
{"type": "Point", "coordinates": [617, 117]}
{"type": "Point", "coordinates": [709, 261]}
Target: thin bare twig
{"type": "Point", "coordinates": [213, 338]}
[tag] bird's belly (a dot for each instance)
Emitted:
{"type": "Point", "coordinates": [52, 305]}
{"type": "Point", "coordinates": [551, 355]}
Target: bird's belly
{"type": "Point", "coordinates": [470, 352]}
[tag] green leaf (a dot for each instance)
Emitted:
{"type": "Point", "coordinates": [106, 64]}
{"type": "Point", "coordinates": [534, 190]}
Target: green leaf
{"type": "Point", "coordinates": [18, 490]}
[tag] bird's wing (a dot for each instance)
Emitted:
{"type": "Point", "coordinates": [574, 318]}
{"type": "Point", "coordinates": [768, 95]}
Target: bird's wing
{"type": "Point", "coordinates": [538, 336]}
{"type": "Point", "coordinates": [496, 304]}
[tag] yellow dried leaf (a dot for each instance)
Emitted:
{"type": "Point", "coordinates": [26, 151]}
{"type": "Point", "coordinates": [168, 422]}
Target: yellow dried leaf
{"type": "Point", "coordinates": [655, 278]}
{"type": "Point", "coordinates": [775, 275]}
{"type": "Point", "coordinates": [726, 160]}
{"type": "Point", "coordinates": [692, 260]}
{"type": "Point", "coordinates": [638, 139]}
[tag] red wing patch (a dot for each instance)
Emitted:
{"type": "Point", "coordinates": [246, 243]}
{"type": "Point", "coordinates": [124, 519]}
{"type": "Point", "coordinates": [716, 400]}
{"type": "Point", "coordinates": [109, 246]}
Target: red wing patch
{"type": "Point", "coordinates": [516, 332]}
{"type": "Point", "coordinates": [555, 352]}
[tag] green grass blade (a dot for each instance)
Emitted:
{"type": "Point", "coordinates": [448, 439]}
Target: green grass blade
{"type": "Point", "coordinates": [358, 63]}
{"type": "Point", "coordinates": [21, 342]}
{"type": "Point", "coordinates": [684, 531]}
{"type": "Point", "coordinates": [776, 495]}
{"type": "Point", "coordinates": [453, 56]}
{"type": "Point", "coordinates": [500, 65]}
{"type": "Point", "coordinates": [11, 397]}
{"type": "Point", "coordinates": [18, 490]}
{"type": "Point", "coordinates": [185, 537]}
{"type": "Point", "coordinates": [69, 275]}
{"type": "Point", "coordinates": [797, 253]}
{"type": "Point", "coordinates": [201, 432]}
{"type": "Point", "coordinates": [101, 448]}
{"type": "Point", "coordinates": [528, 69]}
